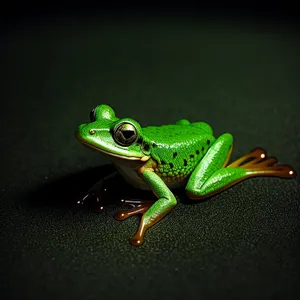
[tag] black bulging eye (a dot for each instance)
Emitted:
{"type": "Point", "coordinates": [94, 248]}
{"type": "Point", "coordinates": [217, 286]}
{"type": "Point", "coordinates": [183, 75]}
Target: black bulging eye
{"type": "Point", "coordinates": [92, 115]}
{"type": "Point", "coordinates": [125, 134]}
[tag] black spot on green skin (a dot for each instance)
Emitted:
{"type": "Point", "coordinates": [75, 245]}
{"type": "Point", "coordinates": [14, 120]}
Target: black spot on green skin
{"type": "Point", "coordinates": [192, 156]}
{"type": "Point", "coordinates": [163, 162]}
{"type": "Point", "coordinates": [146, 147]}
{"type": "Point", "coordinates": [174, 154]}
{"type": "Point", "coordinates": [202, 149]}
{"type": "Point", "coordinates": [197, 152]}
{"type": "Point", "coordinates": [171, 165]}
{"type": "Point", "coordinates": [154, 145]}
{"type": "Point", "coordinates": [208, 142]}
{"type": "Point", "coordinates": [185, 162]}
{"type": "Point", "coordinates": [139, 141]}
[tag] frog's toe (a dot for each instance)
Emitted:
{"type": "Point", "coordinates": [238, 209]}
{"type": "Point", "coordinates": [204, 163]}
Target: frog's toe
{"type": "Point", "coordinates": [283, 171]}
{"type": "Point", "coordinates": [140, 209]}
{"type": "Point", "coordinates": [257, 155]}
{"type": "Point", "coordinates": [121, 215]}
{"type": "Point", "coordinates": [136, 240]}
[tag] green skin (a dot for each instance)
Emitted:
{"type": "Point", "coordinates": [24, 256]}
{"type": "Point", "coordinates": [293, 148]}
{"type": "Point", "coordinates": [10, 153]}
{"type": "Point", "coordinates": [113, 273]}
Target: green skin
{"type": "Point", "coordinates": [164, 157]}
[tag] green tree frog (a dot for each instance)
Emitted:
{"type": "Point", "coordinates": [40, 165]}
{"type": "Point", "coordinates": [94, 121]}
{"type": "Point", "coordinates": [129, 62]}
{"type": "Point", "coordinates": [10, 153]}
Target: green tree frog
{"type": "Point", "coordinates": [161, 158]}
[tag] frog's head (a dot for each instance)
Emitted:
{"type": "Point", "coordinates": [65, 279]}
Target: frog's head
{"type": "Point", "coordinates": [111, 135]}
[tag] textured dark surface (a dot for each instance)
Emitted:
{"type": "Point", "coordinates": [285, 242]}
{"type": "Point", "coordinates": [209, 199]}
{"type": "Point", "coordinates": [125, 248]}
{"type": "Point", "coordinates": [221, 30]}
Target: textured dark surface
{"type": "Point", "coordinates": [238, 77]}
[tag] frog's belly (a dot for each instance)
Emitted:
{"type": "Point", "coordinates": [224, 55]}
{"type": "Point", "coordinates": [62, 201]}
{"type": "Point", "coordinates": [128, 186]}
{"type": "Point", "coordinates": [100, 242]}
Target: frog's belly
{"type": "Point", "coordinates": [132, 177]}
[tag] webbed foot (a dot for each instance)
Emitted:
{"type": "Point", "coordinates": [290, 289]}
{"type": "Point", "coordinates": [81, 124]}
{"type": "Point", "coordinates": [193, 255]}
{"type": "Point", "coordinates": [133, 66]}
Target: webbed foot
{"type": "Point", "coordinates": [139, 207]}
{"type": "Point", "coordinates": [257, 163]}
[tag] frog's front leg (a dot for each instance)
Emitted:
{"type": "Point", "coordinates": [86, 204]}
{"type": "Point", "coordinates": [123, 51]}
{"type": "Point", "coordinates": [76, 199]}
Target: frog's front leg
{"type": "Point", "coordinates": [154, 213]}
{"type": "Point", "coordinates": [212, 176]}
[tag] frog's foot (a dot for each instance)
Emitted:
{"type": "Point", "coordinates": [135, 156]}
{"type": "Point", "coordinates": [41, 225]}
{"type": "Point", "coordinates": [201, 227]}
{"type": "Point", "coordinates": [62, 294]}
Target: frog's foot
{"type": "Point", "coordinates": [138, 207]}
{"type": "Point", "coordinates": [138, 239]}
{"type": "Point", "coordinates": [257, 163]}
{"type": "Point", "coordinates": [149, 219]}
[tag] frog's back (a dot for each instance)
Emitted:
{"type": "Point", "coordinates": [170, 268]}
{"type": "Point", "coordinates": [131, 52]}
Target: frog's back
{"type": "Point", "coordinates": [178, 149]}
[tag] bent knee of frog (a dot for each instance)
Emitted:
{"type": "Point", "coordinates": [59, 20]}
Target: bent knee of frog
{"type": "Point", "coordinates": [198, 195]}
{"type": "Point", "coordinates": [223, 143]}
{"type": "Point", "coordinates": [172, 200]}
{"type": "Point", "coordinates": [225, 138]}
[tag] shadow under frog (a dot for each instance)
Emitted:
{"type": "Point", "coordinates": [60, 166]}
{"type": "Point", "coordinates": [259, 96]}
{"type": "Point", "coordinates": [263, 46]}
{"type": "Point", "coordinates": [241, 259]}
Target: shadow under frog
{"type": "Point", "coordinates": [109, 189]}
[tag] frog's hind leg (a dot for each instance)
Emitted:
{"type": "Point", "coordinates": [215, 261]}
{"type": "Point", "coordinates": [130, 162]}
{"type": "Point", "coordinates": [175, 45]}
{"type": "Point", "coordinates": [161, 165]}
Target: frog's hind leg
{"type": "Point", "coordinates": [213, 175]}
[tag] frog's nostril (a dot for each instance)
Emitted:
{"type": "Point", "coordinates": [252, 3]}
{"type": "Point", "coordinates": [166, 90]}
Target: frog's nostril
{"type": "Point", "coordinates": [92, 131]}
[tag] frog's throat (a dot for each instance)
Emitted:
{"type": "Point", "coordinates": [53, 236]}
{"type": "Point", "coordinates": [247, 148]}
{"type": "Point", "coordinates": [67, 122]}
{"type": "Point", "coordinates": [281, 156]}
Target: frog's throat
{"type": "Point", "coordinates": [143, 158]}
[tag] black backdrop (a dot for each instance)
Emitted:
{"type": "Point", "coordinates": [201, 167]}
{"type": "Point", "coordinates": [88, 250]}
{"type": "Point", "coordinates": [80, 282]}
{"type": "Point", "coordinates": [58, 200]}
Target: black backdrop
{"type": "Point", "coordinates": [235, 68]}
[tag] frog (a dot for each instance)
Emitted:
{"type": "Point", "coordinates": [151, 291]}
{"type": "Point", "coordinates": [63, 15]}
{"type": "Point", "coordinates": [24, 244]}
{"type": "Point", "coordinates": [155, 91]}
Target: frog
{"type": "Point", "coordinates": [162, 158]}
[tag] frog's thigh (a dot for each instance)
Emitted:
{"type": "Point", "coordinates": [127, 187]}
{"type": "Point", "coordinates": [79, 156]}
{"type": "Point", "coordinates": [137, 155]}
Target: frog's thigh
{"type": "Point", "coordinates": [209, 177]}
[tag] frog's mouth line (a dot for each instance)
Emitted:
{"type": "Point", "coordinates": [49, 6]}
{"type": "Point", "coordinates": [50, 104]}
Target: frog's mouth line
{"type": "Point", "coordinates": [143, 158]}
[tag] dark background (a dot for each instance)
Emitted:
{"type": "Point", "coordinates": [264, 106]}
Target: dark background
{"type": "Point", "coordinates": [236, 68]}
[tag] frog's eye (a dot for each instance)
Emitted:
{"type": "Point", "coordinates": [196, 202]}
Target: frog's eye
{"type": "Point", "coordinates": [93, 115]}
{"type": "Point", "coordinates": [125, 134]}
